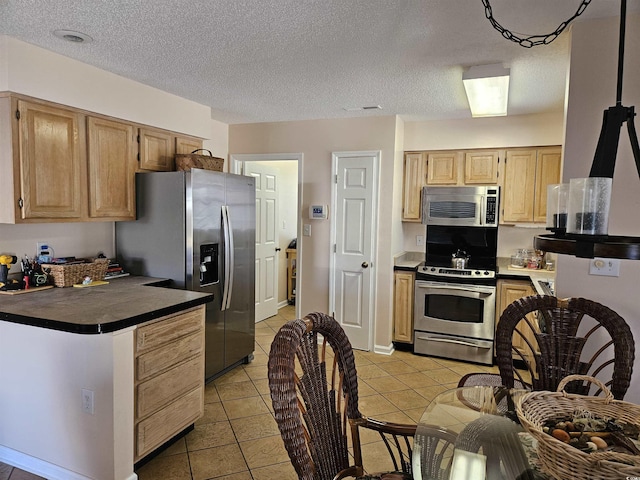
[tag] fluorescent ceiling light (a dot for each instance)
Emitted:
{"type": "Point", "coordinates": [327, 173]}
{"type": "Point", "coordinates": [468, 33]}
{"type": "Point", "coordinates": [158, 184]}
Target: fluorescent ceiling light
{"type": "Point", "coordinates": [487, 88]}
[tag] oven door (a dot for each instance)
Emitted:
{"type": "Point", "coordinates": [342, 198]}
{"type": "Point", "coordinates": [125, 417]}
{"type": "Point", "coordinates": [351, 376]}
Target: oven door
{"type": "Point", "coordinates": [455, 309]}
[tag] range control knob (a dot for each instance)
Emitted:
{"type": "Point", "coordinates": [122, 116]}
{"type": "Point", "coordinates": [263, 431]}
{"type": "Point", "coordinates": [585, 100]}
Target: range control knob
{"type": "Point", "coordinates": [433, 269]}
{"type": "Point", "coordinates": [486, 273]}
{"type": "Point", "coordinates": [477, 272]}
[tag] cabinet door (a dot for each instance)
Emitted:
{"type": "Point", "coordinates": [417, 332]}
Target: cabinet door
{"type": "Point", "coordinates": [442, 168]}
{"type": "Point", "coordinates": [112, 165]}
{"type": "Point", "coordinates": [187, 144]}
{"type": "Point", "coordinates": [291, 275]}
{"type": "Point", "coordinates": [481, 168]}
{"type": "Point", "coordinates": [157, 150]}
{"type": "Point", "coordinates": [414, 180]}
{"type": "Point", "coordinates": [519, 184]}
{"type": "Point", "coordinates": [403, 307]}
{"type": "Point", "coordinates": [548, 167]}
{"type": "Point", "coordinates": [51, 162]}
{"type": "Point", "coordinates": [508, 292]}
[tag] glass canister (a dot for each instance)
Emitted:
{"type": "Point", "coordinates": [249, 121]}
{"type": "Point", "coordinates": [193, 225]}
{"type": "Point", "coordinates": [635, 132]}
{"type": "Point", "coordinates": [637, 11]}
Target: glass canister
{"type": "Point", "coordinates": [588, 210]}
{"type": "Point", "coordinates": [557, 199]}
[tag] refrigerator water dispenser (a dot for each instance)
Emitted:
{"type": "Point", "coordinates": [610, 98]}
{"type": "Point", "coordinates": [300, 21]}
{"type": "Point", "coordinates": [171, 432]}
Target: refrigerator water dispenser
{"type": "Point", "coordinates": [208, 264]}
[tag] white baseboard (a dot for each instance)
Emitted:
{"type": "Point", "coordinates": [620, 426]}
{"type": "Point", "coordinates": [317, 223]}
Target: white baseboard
{"type": "Point", "coordinates": [40, 467]}
{"type": "Point", "coordinates": [384, 349]}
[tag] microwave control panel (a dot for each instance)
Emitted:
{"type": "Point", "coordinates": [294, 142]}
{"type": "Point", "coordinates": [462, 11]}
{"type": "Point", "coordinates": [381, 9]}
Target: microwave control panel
{"type": "Point", "coordinates": [491, 210]}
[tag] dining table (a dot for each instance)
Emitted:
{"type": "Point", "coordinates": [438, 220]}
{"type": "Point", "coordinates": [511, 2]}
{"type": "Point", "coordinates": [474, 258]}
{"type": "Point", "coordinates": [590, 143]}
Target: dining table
{"type": "Point", "coordinates": [473, 433]}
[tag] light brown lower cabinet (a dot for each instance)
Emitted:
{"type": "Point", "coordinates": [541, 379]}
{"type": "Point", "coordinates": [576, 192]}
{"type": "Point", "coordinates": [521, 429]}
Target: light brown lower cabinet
{"type": "Point", "coordinates": [508, 292]}
{"type": "Point", "coordinates": [403, 306]}
{"type": "Point", "coordinates": [169, 378]}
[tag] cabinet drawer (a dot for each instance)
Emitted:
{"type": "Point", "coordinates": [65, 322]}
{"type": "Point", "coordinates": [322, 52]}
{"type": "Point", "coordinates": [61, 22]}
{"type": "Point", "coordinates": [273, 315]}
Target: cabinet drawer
{"type": "Point", "coordinates": [168, 329]}
{"type": "Point", "coordinates": [163, 388]}
{"type": "Point", "coordinates": [164, 424]}
{"type": "Point", "coordinates": [164, 357]}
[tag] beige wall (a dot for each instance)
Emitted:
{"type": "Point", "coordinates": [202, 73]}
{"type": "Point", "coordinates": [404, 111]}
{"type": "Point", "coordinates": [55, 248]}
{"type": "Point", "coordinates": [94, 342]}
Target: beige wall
{"type": "Point", "coordinates": [494, 132]}
{"type": "Point", "coordinates": [218, 141]}
{"type": "Point", "coordinates": [592, 89]}
{"type": "Point", "coordinates": [316, 140]}
{"type": "Point", "coordinates": [43, 74]}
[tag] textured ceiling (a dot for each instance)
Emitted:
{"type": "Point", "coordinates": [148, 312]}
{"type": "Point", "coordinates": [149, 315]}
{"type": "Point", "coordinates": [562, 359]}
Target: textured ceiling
{"type": "Point", "coordinates": [277, 60]}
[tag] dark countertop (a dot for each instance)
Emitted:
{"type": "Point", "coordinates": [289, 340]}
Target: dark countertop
{"type": "Point", "coordinates": [124, 302]}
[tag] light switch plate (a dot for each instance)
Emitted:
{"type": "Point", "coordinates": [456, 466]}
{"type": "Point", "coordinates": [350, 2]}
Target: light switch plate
{"type": "Point", "coordinates": [306, 230]}
{"type": "Point", "coordinates": [609, 267]}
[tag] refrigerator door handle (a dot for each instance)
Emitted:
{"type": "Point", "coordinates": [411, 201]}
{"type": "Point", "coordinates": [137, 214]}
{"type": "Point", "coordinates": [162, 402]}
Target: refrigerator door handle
{"type": "Point", "coordinates": [231, 251]}
{"type": "Point", "coordinates": [226, 263]}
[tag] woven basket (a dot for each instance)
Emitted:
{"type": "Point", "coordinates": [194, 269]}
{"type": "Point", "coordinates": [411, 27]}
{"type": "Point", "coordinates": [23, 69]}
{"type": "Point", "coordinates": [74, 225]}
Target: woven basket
{"type": "Point", "coordinates": [187, 161]}
{"type": "Point", "coordinates": [563, 461]}
{"type": "Point", "coordinates": [68, 275]}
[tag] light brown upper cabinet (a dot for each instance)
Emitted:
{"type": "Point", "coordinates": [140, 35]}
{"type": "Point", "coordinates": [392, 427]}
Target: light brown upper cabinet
{"type": "Point", "coordinates": [481, 167]}
{"type": "Point", "coordinates": [415, 167]}
{"type": "Point", "coordinates": [442, 168]}
{"type": "Point", "coordinates": [63, 164]}
{"type": "Point", "coordinates": [157, 150]}
{"type": "Point", "coordinates": [187, 144]}
{"type": "Point", "coordinates": [111, 153]}
{"type": "Point", "coordinates": [42, 157]}
{"type": "Point", "coordinates": [447, 168]}
{"type": "Point", "coordinates": [527, 173]}
{"type": "Point", "coordinates": [548, 172]}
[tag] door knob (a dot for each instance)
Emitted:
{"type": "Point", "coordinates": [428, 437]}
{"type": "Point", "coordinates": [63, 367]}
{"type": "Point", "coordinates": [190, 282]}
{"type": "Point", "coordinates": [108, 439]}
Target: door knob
{"type": "Point", "coordinates": [365, 265]}
{"type": "Point", "coordinates": [278, 249]}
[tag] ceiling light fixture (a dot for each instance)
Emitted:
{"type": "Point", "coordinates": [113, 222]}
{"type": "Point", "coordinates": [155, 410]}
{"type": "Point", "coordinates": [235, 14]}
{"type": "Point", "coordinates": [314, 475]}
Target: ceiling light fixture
{"type": "Point", "coordinates": [487, 88]}
{"type": "Point", "coordinates": [73, 36]}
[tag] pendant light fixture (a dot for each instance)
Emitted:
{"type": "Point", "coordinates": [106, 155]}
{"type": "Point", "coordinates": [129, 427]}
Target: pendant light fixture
{"type": "Point", "coordinates": [594, 190]}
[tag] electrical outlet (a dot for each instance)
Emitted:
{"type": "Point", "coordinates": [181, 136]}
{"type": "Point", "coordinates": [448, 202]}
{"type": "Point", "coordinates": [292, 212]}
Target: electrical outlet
{"type": "Point", "coordinates": [87, 401]}
{"type": "Point", "coordinates": [420, 240]}
{"type": "Point", "coordinates": [609, 267]}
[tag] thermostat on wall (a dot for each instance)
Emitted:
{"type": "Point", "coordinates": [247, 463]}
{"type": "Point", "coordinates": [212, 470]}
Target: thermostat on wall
{"type": "Point", "coordinates": [319, 212]}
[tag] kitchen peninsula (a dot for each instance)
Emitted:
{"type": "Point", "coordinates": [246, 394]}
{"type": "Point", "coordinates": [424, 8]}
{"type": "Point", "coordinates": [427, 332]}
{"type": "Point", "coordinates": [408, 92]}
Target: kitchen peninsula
{"type": "Point", "coordinates": [82, 370]}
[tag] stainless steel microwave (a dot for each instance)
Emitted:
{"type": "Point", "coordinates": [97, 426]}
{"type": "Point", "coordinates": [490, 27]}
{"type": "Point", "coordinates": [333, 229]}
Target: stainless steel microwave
{"type": "Point", "coordinates": [461, 206]}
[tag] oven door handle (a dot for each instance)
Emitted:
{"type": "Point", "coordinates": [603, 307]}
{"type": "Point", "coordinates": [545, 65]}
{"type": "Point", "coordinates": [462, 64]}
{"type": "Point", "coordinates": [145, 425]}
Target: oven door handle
{"type": "Point", "coordinates": [484, 345]}
{"type": "Point", "coordinates": [486, 291]}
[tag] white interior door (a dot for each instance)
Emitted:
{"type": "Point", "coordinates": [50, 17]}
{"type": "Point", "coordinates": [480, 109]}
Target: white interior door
{"type": "Point", "coordinates": [266, 238]}
{"type": "Point", "coordinates": [354, 231]}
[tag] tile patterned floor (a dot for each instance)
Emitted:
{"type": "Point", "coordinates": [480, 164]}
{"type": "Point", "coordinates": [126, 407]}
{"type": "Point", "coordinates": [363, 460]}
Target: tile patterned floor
{"type": "Point", "coordinates": [238, 439]}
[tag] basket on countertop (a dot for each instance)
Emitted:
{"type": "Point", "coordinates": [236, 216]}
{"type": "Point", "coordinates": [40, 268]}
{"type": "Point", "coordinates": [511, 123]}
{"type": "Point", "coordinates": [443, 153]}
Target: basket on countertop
{"type": "Point", "coordinates": [563, 461]}
{"type": "Point", "coordinates": [68, 275]}
{"type": "Point", "coordinates": [187, 161]}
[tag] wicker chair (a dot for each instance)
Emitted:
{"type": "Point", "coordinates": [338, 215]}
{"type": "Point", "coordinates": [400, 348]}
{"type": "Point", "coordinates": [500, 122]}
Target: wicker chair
{"type": "Point", "coordinates": [315, 403]}
{"type": "Point", "coordinates": [552, 338]}
{"type": "Point", "coordinates": [435, 452]}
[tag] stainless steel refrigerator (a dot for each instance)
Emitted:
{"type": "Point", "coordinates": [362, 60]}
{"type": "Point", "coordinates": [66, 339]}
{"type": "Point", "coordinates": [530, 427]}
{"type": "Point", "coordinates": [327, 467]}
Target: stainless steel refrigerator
{"type": "Point", "coordinates": [197, 228]}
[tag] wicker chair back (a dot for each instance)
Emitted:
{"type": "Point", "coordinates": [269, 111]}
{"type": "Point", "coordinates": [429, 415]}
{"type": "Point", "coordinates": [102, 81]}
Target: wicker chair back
{"type": "Point", "coordinates": [554, 338]}
{"type": "Point", "coordinates": [314, 392]}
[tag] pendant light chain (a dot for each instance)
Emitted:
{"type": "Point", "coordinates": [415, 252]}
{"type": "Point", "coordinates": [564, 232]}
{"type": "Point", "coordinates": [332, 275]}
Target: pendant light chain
{"type": "Point", "coordinates": [532, 40]}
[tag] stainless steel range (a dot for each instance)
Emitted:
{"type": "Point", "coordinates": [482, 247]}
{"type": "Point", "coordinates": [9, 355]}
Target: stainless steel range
{"type": "Point", "coordinates": [454, 314]}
